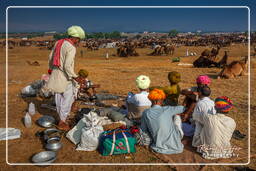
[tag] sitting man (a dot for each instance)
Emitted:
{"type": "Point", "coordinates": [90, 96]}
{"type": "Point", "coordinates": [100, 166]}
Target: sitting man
{"type": "Point", "coordinates": [203, 107]}
{"type": "Point", "coordinates": [86, 85]}
{"type": "Point", "coordinates": [137, 103]}
{"type": "Point", "coordinates": [216, 132]}
{"type": "Point", "coordinates": [162, 124]}
{"type": "Point", "coordinates": [192, 96]}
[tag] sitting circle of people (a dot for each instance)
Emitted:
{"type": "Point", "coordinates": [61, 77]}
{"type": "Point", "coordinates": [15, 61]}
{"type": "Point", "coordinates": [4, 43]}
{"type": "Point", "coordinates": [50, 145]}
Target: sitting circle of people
{"type": "Point", "coordinates": [162, 122]}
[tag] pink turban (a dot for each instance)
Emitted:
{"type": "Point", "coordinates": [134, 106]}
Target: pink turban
{"type": "Point", "coordinates": [203, 79]}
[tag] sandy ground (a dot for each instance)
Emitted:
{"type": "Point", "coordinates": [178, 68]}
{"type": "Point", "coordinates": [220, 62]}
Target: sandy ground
{"type": "Point", "coordinates": [116, 76]}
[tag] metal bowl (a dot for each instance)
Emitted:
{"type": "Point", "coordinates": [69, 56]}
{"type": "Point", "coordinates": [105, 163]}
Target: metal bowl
{"type": "Point", "coordinates": [46, 121]}
{"type": "Point", "coordinates": [53, 144]}
{"type": "Point", "coordinates": [44, 157]}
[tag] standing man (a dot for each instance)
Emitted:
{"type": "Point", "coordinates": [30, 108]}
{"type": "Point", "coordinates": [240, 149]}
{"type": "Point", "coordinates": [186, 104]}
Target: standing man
{"type": "Point", "coordinates": [61, 68]}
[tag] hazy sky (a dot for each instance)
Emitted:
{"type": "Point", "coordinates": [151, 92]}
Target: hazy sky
{"type": "Point", "coordinates": [128, 19]}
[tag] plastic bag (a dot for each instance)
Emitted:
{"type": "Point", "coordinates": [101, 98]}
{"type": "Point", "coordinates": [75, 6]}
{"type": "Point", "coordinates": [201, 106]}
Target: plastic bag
{"type": "Point", "coordinates": [90, 138]}
{"type": "Point", "coordinates": [74, 135]}
{"type": "Point", "coordinates": [31, 109]}
{"type": "Point", "coordinates": [28, 91]}
{"type": "Point", "coordinates": [27, 120]}
{"type": "Point", "coordinates": [13, 133]}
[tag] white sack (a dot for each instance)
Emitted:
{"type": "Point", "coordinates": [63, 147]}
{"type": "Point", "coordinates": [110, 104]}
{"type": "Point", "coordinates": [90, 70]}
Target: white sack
{"type": "Point", "coordinates": [90, 138]}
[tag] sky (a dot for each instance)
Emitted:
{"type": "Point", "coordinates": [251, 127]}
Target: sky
{"type": "Point", "coordinates": [127, 19]}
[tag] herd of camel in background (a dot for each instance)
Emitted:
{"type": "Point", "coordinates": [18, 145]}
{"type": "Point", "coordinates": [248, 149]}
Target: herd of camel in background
{"type": "Point", "coordinates": [160, 47]}
{"type": "Point", "coordinates": [206, 60]}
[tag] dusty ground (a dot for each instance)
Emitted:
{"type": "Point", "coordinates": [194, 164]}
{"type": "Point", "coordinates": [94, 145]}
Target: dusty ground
{"type": "Point", "coordinates": [116, 75]}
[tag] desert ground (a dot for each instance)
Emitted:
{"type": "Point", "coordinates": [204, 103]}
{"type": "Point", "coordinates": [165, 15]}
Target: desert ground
{"type": "Point", "coordinates": [117, 76]}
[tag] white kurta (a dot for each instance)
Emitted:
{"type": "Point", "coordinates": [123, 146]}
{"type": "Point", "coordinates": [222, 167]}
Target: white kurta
{"type": "Point", "coordinates": [60, 80]}
{"type": "Point", "coordinates": [215, 135]}
{"type": "Point", "coordinates": [62, 76]}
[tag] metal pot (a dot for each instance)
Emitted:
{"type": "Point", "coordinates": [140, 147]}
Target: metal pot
{"type": "Point", "coordinates": [46, 121]}
{"type": "Point", "coordinates": [53, 144]}
{"type": "Point", "coordinates": [50, 131]}
{"type": "Point", "coordinates": [44, 157]}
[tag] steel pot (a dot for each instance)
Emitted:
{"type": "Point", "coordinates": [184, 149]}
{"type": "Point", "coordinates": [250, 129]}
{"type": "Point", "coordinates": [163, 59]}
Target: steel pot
{"type": "Point", "coordinates": [53, 144]}
{"type": "Point", "coordinates": [49, 132]}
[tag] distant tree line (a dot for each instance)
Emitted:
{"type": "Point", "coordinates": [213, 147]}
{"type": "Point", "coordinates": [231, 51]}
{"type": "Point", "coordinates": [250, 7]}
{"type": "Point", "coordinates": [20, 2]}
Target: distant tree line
{"type": "Point", "coordinates": [98, 35]}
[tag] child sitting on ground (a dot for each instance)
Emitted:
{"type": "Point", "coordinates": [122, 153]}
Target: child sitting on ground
{"type": "Point", "coordinates": [86, 85]}
{"type": "Point", "coordinates": [192, 96]}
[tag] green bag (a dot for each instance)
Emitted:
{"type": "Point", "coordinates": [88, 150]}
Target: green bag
{"type": "Point", "coordinates": [177, 59]}
{"type": "Point", "coordinates": [118, 141]}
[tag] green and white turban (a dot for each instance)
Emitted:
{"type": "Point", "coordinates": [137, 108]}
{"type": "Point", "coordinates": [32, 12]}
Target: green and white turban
{"type": "Point", "coordinates": [76, 31]}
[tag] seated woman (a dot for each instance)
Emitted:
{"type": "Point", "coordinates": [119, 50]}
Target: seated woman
{"type": "Point", "coordinates": [137, 103]}
{"type": "Point", "coordinates": [162, 125]}
{"type": "Point", "coordinates": [213, 137]}
{"type": "Point", "coordinates": [86, 85]}
{"type": "Point", "coordinates": [192, 96]}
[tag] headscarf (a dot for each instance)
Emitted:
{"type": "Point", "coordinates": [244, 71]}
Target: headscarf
{"type": "Point", "coordinates": [223, 104]}
{"type": "Point", "coordinates": [156, 94]}
{"type": "Point", "coordinates": [83, 73]}
{"type": "Point", "coordinates": [203, 79]}
{"type": "Point", "coordinates": [56, 57]}
{"type": "Point", "coordinates": [142, 82]}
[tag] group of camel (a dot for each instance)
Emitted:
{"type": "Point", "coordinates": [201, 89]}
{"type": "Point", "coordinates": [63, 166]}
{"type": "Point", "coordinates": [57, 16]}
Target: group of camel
{"type": "Point", "coordinates": [208, 59]}
{"type": "Point", "coordinates": [127, 49]}
{"type": "Point", "coordinates": [166, 49]}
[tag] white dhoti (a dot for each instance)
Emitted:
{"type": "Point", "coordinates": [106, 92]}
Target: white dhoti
{"type": "Point", "coordinates": [64, 102]}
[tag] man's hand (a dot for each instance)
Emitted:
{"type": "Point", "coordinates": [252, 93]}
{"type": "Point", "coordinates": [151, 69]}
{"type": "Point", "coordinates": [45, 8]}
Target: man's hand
{"type": "Point", "coordinates": [184, 116]}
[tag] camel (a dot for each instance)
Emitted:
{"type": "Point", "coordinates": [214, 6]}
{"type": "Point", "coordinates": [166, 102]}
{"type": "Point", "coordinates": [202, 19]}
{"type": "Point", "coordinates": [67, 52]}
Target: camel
{"type": "Point", "coordinates": [206, 52]}
{"type": "Point", "coordinates": [211, 54]}
{"type": "Point", "coordinates": [163, 49]}
{"type": "Point", "coordinates": [234, 69]}
{"type": "Point", "coordinates": [223, 62]}
{"type": "Point", "coordinates": [203, 62]}
{"type": "Point", "coordinates": [127, 50]}
{"type": "Point", "coordinates": [214, 53]}
{"type": "Point", "coordinates": [169, 49]}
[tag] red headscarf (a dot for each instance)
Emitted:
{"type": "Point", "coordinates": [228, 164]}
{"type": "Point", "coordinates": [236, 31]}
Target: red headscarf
{"type": "Point", "coordinates": [56, 57]}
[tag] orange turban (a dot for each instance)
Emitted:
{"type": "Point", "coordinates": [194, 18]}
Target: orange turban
{"type": "Point", "coordinates": [156, 94]}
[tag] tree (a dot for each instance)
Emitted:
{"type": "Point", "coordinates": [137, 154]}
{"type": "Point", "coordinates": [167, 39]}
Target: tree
{"type": "Point", "coordinates": [115, 34]}
{"type": "Point", "coordinates": [60, 36]}
{"type": "Point", "coordinates": [173, 33]}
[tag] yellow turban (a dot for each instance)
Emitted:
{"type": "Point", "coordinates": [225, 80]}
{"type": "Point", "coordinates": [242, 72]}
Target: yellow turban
{"type": "Point", "coordinates": [83, 73]}
{"type": "Point", "coordinates": [76, 31]}
{"type": "Point", "coordinates": [156, 94]}
{"type": "Point", "coordinates": [142, 82]}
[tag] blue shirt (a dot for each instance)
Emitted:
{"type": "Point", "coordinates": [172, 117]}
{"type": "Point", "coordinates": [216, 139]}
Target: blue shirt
{"type": "Point", "coordinates": [157, 121]}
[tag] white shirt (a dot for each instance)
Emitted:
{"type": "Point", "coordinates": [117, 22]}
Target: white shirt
{"type": "Point", "coordinates": [140, 99]}
{"type": "Point", "coordinates": [204, 106]}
